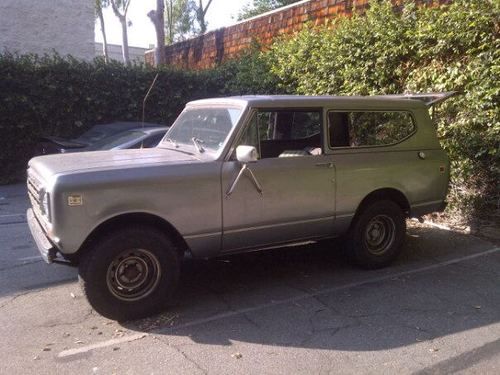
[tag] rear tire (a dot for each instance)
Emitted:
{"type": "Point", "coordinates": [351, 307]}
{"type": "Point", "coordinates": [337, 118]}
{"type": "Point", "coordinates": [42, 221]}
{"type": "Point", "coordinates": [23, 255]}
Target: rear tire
{"type": "Point", "coordinates": [130, 273]}
{"type": "Point", "coordinates": [377, 235]}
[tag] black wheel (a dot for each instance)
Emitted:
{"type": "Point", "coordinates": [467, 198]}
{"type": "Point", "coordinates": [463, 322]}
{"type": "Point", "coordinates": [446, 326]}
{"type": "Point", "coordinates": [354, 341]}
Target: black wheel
{"type": "Point", "coordinates": [130, 273]}
{"type": "Point", "coordinates": [377, 234]}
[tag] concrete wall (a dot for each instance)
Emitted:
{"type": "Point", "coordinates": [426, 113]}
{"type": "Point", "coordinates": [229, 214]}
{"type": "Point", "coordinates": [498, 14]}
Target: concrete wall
{"type": "Point", "coordinates": [66, 26]}
{"type": "Point", "coordinates": [136, 54]}
{"type": "Point", "coordinates": [216, 46]}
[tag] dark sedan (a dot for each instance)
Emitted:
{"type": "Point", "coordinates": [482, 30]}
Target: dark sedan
{"type": "Point", "coordinates": [55, 145]}
{"type": "Point", "coordinates": [133, 138]}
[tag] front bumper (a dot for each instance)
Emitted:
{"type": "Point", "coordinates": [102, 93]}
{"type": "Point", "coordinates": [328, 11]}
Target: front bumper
{"type": "Point", "coordinates": [45, 247]}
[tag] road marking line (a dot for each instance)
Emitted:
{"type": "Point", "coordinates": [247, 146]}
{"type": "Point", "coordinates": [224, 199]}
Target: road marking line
{"type": "Point", "coordinates": [13, 215]}
{"type": "Point", "coordinates": [30, 258]}
{"type": "Point", "coordinates": [103, 344]}
{"type": "Point", "coordinates": [229, 314]}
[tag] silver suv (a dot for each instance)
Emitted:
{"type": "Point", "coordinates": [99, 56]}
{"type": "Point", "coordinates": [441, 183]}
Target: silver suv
{"type": "Point", "coordinates": [235, 175]}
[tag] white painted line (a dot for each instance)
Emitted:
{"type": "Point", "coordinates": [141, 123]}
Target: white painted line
{"type": "Point", "coordinates": [229, 314]}
{"type": "Point", "coordinates": [30, 258]}
{"type": "Point", "coordinates": [14, 215]}
{"type": "Point", "coordinates": [102, 344]}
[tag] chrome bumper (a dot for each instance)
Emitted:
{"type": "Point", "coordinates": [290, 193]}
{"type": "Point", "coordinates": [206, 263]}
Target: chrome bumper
{"type": "Point", "coordinates": [45, 247]}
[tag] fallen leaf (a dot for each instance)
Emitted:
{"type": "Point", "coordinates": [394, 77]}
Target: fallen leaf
{"type": "Point", "coordinates": [237, 355]}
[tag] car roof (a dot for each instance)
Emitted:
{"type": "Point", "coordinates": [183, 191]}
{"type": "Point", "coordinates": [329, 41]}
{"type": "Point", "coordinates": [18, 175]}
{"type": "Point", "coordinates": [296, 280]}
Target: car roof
{"type": "Point", "coordinates": [270, 101]}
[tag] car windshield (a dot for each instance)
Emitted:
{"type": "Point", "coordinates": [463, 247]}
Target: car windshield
{"type": "Point", "coordinates": [202, 128]}
{"type": "Point", "coordinates": [116, 140]}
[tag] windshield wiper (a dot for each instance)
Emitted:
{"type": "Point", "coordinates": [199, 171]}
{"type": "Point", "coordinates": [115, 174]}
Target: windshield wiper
{"type": "Point", "coordinates": [173, 142]}
{"type": "Point", "coordinates": [197, 143]}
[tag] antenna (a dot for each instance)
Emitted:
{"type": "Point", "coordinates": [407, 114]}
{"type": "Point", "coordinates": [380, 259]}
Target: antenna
{"type": "Point", "coordinates": [144, 104]}
{"type": "Point", "coordinates": [146, 98]}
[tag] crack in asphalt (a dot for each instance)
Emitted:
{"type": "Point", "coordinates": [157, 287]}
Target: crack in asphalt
{"type": "Point", "coordinates": [12, 299]}
{"type": "Point", "coordinates": [185, 356]}
{"type": "Point", "coordinates": [82, 320]}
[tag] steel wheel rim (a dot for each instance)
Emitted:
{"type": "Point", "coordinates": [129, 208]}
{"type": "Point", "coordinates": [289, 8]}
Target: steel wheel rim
{"type": "Point", "coordinates": [380, 234]}
{"type": "Point", "coordinates": [133, 275]}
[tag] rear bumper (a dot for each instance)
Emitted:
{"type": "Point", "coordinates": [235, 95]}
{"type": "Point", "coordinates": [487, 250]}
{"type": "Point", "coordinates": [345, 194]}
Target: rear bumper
{"type": "Point", "coordinates": [45, 247]}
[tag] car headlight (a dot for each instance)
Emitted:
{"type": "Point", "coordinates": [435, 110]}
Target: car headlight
{"type": "Point", "coordinates": [45, 204]}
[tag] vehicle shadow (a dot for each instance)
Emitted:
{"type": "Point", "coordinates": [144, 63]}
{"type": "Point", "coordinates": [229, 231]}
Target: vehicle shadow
{"type": "Point", "coordinates": [311, 297]}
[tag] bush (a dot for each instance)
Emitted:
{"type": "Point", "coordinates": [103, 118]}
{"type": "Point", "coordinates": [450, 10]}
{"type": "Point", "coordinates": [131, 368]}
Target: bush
{"type": "Point", "coordinates": [451, 47]}
{"type": "Point", "coordinates": [62, 96]}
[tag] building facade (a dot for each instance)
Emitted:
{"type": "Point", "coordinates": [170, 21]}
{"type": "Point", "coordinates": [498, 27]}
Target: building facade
{"type": "Point", "coordinates": [47, 26]}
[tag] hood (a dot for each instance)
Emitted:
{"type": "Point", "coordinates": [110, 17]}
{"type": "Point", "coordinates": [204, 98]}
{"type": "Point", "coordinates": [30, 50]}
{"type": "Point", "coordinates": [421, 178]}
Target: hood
{"type": "Point", "coordinates": [50, 165]}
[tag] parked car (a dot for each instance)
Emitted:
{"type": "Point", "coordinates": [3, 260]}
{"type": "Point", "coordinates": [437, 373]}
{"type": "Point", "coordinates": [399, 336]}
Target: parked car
{"type": "Point", "coordinates": [55, 145]}
{"type": "Point", "coordinates": [235, 175]}
{"type": "Point", "coordinates": [133, 138]}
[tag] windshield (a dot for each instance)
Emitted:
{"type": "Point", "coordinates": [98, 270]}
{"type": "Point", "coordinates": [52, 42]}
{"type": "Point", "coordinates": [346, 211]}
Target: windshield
{"type": "Point", "coordinates": [115, 140]}
{"type": "Point", "coordinates": [202, 128]}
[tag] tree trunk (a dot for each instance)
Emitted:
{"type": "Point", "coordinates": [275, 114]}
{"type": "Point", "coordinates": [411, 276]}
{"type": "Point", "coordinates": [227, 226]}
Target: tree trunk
{"type": "Point", "coordinates": [126, 58]}
{"type": "Point", "coordinates": [123, 20]}
{"type": "Point", "coordinates": [104, 37]}
{"type": "Point", "coordinates": [158, 19]}
{"type": "Point", "coordinates": [201, 13]}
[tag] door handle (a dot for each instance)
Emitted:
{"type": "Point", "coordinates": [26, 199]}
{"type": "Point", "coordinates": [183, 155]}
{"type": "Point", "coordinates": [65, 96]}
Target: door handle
{"type": "Point", "coordinates": [325, 165]}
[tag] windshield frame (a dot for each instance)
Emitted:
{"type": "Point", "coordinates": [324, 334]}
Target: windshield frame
{"type": "Point", "coordinates": [190, 147]}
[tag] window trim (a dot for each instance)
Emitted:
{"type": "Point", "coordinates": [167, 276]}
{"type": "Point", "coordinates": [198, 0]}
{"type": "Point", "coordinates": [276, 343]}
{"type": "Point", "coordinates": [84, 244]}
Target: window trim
{"type": "Point", "coordinates": [415, 129]}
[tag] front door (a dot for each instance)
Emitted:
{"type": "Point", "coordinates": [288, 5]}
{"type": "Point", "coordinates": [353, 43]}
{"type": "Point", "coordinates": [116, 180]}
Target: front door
{"type": "Point", "coordinates": [289, 193]}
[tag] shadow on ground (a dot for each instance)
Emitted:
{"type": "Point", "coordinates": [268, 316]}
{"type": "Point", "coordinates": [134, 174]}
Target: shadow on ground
{"type": "Point", "coordinates": [310, 297]}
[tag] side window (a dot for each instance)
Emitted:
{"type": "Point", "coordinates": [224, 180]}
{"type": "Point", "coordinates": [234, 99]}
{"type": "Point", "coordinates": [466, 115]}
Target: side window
{"type": "Point", "coordinates": [285, 133]}
{"type": "Point", "coordinates": [153, 140]}
{"type": "Point", "coordinates": [357, 129]}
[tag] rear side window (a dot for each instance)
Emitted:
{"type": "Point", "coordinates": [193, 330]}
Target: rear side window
{"type": "Point", "coordinates": [358, 129]}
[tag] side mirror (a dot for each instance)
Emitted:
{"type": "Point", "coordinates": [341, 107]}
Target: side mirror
{"type": "Point", "coordinates": [247, 154]}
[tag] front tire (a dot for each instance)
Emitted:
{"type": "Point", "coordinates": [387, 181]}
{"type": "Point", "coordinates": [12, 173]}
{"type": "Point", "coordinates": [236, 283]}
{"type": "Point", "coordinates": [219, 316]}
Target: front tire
{"type": "Point", "coordinates": [377, 235]}
{"type": "Point", "coordinates": [130, 273]}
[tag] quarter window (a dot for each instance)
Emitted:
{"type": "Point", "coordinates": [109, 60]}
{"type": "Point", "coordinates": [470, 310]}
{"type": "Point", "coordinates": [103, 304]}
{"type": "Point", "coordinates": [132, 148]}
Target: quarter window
{"type": "Point", "coordinates": [357, 129]}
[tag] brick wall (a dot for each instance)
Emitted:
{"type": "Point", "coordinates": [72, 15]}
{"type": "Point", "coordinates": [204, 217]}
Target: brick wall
{"type": "Point", "coordinates": [212, 48]}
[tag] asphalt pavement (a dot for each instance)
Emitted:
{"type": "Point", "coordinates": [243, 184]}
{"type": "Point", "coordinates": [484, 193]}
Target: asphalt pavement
{"type": "Point", "coordinates": [297, 310]}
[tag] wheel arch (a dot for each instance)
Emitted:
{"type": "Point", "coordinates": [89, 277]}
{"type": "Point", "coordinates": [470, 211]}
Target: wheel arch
{"type": "Point", "coordinates": [391, 194]}
{"type": "Point", "coordinates": [131, 219]}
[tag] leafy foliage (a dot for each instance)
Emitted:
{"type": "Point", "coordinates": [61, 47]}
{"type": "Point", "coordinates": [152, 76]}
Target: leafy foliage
{"type": "Point", "coordinates": [262, 6]}
{"type": "Point", "coordinates": [180, 18]}
{"type": "Point", "coordinates": [42, 96]}
{"type": "Point", "coordinates": [185, 19]}
{"type": "Point", "coordinates": [451, 47]}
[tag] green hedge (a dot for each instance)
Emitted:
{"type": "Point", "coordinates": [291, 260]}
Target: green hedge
{"type": "Point", "coordinates": [62, 96]}
{"type": "Point", "coordinates": [452, 47]}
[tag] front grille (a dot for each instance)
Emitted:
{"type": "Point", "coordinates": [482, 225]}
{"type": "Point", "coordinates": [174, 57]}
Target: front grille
{"type": "Point", "coordinates": [34, 187]}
